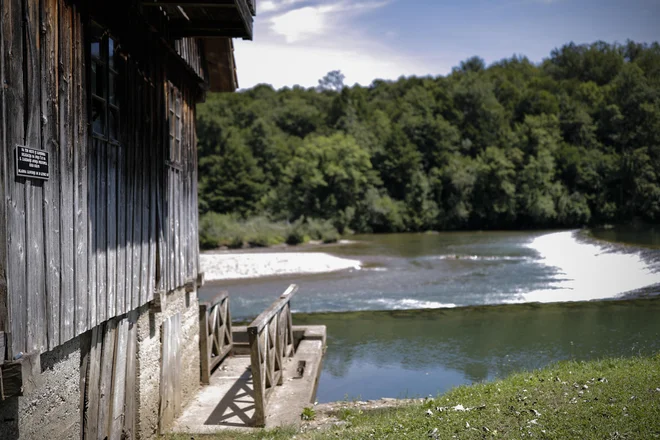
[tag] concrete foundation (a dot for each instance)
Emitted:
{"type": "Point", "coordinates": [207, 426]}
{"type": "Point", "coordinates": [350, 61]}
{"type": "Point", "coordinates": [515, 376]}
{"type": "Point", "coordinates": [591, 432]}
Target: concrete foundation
{"type": "Point", "coordinates": [50, 407]}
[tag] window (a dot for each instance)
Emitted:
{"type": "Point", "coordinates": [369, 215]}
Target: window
{"type": "Point", "coordinates": [174, 109]}
{"type": "Point", "coordinates": [103, 88]}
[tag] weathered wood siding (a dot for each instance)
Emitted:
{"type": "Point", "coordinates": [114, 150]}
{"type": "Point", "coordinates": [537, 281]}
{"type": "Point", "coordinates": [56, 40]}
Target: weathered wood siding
{"type": "Point", "coordinates": [108, 365]}
{"type": "Point", "coordinates": [115, 222]}
{"type": "Point", "coordinates": [190, 50]}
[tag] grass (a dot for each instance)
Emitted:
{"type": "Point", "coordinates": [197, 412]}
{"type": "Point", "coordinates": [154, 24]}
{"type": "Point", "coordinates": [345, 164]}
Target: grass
{"type": "Point", "coordinates": [606, 399]}
{"type": "Point", "coordinates": [222, 230]}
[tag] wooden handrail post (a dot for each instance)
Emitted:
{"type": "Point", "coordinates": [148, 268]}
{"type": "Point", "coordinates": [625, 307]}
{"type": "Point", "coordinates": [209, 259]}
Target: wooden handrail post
{"type": "Point", "coordinates": [204, 355]}
{"type": "Point", "coordinates": [257, 345]}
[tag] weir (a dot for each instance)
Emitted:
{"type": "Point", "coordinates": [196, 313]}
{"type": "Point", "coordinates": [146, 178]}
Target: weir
{"type": "Point", "coordinates": [260, 375]}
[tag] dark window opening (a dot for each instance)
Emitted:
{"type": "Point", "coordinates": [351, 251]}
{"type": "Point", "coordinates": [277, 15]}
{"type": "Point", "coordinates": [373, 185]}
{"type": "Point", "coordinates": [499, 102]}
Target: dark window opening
{"type": "Point", "coordinates": [174, 114]}
{"type": "Point", "coordinates": [103, 88]}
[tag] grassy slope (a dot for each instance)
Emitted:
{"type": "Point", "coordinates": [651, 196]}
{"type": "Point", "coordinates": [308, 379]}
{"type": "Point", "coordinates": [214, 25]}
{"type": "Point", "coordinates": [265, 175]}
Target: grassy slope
{"type": "Point", "coordinates": [608, 399]}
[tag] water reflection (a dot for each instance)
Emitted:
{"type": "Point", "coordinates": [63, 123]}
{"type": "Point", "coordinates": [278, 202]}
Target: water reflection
{"type": "Point", "coordinates": [644, 235]}
{"type": "Point", "coordinates": [415, 353]}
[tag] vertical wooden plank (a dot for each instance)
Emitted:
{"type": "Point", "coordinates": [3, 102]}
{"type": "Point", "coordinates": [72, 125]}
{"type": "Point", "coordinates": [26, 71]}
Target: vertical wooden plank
{"type": "Point", "coordinates": [258, 342]}
{"type": "Point", "coordinates": [91, 234]}
{"type": "Point", "coordinates": [67, 306]}
{"type": "Point", "coordinates": [80, 195]}
{"type": "Point", "coordinates": [111, 225]}
{"type": "Point", "coordinates": [185, 208]}
{"type": "Point", "coordinates": [105, 381]}
{"type": "Point", "coordinates": [3, 350]}
{"type": "Point", "coordinates": [85, 347]}
{"type": "Point", "coordinates": [137, 194]}
{"type": "Point", "coordinates": [129, 182]}
{"type": "Point", "coordinates": [131, 354]}
{"type": "Point", "coordinates": [166, 405]}
{"type": "Point", "coordinates": [14, 111]}
{"type": "Point", "coordinates": [159, 164]}
{"type": "Point", "coordinates": [174, 233]}
{"type": "Point", "coordinates": [195, 209]}
{"type": "Point", "coordinates": [101, 230]}
{"type": "Point", "coordinates": [119, 380]}
{"type": "Point", "coordinates": [144, 191]}
{"type": "Point", "coordinates": [91, 408]}
{"type": "Point", "coordinates": [123, 95]}
{"type": "Point", "coordinates": [204, 355]}
{"type": "Point", "coordinates": [121, 231]}
{"type": "Point", "coordinates": [36, 279]}
{"type": "Point", "coordinates": [5, 150]}
{"type": "Point", "coordinates": [170, 385]}
{"type": "Point", "coordinates": [50, 136]}
{"type": "Point", "coordinates": [176, 373]}
{"type": "Point", "coordinates": [168, 199]}
{"type": "Point", "coordinates": [153, 182]}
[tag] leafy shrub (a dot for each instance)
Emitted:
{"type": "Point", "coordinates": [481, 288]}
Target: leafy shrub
{"type": "Point", "coordinates": [322, 230]}
{"type": "Point", "coordinates": [217, 230]}
{"type": "Point", "coordinates": [296, 233]}
{"type": "Point", "coordinates": [261, 232]}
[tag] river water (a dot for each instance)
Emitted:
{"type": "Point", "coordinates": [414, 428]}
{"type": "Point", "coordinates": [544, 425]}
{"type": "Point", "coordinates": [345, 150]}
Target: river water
{"type": "Point", "coordinates": [378, 349]}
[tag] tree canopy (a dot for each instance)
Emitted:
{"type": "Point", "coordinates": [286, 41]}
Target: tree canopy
{"type": "Point", "coordinates": [570, 141]}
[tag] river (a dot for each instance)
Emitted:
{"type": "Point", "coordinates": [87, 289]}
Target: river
{"type": "Point", "coordinates": [376, 349]}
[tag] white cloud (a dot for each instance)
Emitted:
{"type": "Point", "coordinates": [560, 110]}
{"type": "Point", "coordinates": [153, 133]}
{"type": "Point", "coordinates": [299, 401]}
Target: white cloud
{"type": "Point", "coordinates": [288, 65]}
{"type": "Point", "coordinates": [267, 6]}
{"type": "Point", "coordinates": [298, 41]}
{"type": "Point", "coordinates": [318, 20]}
{"type": "Point", "coordinates": [300, 24]}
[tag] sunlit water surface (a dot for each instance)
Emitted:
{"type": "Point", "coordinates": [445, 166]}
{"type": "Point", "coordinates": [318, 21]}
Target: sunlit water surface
{"type": "Point", "coordinates": [398, 353]}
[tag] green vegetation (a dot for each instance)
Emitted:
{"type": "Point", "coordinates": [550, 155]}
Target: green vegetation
{"type": "Point", "coordinates": [225, 230]}
{"type": "Point", "coordinates": [607, 399]}
{"type": "Point", "coordinates": [571, 141]}
{"type": "Point", "coordinates": [308, 414]}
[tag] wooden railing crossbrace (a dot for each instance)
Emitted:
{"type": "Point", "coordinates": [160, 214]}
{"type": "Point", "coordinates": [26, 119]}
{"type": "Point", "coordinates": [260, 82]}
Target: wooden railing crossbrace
{"type": "Point", "coordinates": [271, 342]}
{"type": "Point", "coordinates": [215, 338]}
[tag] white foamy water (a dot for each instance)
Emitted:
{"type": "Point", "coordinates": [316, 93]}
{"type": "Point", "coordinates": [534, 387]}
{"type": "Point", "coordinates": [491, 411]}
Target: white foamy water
{"type": "Point", "coordinates": [407, 303]}
{"type": "Point", "coordinates": [587, 271]}
{"type": "Point", "coordinates": [252, 265]}
{"type": "Point", "coordinates": [474, 257]}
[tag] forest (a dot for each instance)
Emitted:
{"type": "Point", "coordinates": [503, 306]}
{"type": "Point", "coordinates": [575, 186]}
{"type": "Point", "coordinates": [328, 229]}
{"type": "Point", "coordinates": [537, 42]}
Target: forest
{"type": "Point", "coordinates": [571, 141]}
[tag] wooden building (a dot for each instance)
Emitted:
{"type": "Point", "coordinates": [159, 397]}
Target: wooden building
{"type": "Point", "coordinates": [98, 219]}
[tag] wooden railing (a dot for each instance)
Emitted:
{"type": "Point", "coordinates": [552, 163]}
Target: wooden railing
{"type": "Point", "coordinates": [215, 338]}
{"type": "Point", "coordinates": [271, 342]}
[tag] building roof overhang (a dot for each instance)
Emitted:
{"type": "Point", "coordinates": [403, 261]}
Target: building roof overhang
{"type": "Point", "coordinates": [207, 18]}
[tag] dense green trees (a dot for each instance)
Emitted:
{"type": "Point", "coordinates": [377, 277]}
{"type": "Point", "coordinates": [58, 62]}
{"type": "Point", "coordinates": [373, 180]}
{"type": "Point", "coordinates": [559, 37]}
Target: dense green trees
{"type": "Point", "coordinates": [571, 141]}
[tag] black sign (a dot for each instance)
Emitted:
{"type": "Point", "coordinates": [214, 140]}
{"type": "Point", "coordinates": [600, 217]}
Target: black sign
{"type": "Point", "coordinates": [31, 163]}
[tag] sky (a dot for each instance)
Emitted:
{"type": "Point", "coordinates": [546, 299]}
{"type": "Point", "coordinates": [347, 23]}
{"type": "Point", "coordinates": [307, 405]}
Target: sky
{"type": "Point", "coordinates": [296, 42]}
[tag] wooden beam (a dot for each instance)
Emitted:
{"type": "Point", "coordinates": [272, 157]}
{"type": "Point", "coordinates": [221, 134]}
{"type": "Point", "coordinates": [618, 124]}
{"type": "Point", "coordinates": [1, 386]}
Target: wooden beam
{"type": "Point", "coordinates": [201, 279]}
{"type": "Point", "coordinates": [159, 302]}
{"type": "Point", "coordinates": [193, 3]}
{"type": "Point", "coordinates": [190, 286]}
{"type": "Point", "coordinates": [221, 32]}
{"type": "Point", "coordinates": [21, 376]}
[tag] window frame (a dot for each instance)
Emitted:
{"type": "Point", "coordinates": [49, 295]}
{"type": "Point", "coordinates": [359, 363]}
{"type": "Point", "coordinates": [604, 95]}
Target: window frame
{"type": "Point", "coordinates": [108, 98]}
{"type": "Point", "coordinates": [175, 125]}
